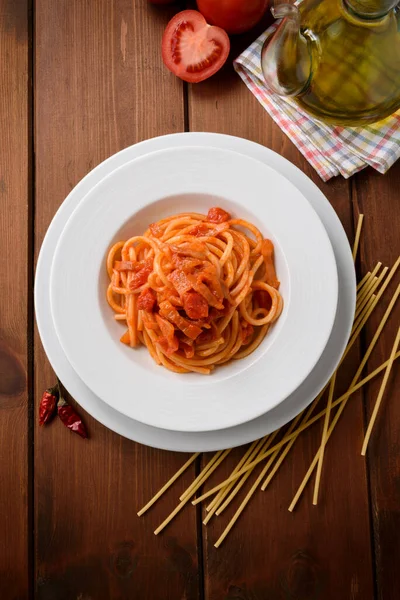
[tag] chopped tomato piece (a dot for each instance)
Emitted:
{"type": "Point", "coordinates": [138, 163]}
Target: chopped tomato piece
{"type": "Point", "coordinates": [165, 326]}
{"type": "Point", "coordinates": [180, 281]}
{"type": "Point", "coordinates": [168, 341]}
{"type": "Point", "coordinates": [206, 229]}
{"type": "Point", "coordinates": [168, 346]}
{"type": "Point", "coordinates": [204, 291]}
{"type": "Point", "coordinates": [185, 263]}
{"type": "Point", "coordinates": [217, 215]}
{"type": "Point", "coordinates": [169, 294]}
{"type": "Point", "coordinates": [199, 230]}
{"type": "Point", "coordinates": [129, 265]}
{"type": "Point", "coordinates": [146, 300]}
{"type": "Point", "coordinates": [195, 305]}
{"type": "Point", "coordinates": [142, 275]}
{"type": "Point", "coordinates": [126, 338]}
{"type": "Point", "coordinates": [139, 278]}
{"type": "Point", "coordinates": [209, 275]}
{"type": "Point", "coordinates": [171, 314]}
{"type": "Point", "coordinates": [155, 230]}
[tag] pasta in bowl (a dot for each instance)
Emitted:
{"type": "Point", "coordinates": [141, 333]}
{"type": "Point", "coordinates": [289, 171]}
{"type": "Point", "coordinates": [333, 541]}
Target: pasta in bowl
{"type": "Point", "coordinates": [122, 206]}
{"type": "Point", "coordinates": [196, 290]}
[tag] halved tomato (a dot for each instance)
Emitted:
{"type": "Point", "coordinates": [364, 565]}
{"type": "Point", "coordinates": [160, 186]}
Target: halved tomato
{"type": "Point", "coordinates": [192, 49]}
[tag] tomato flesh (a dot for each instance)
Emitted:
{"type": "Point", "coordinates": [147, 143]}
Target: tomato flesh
{"type": "Point", "coordinates": [235, 16]}
{"type": "Point", "coordinates": [217, 215]}
{"type": "Point", "coordinates": [192, 49]}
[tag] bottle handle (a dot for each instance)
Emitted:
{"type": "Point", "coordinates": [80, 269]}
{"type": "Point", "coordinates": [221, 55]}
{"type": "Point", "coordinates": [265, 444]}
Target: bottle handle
{"type": "Point", "coordinates": [281, 10]}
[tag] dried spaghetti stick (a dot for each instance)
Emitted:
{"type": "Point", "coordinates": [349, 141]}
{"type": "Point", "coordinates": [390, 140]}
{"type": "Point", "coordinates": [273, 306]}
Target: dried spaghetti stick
{"type": "Point", "coordinates": [371, 291]}
{"type": "Point", "coordinates": [189, 495]}
{"type": "Point", "coordinates": [361, 284]}
{"type": "Point", "coordinates": [251, 452]}
{"type": "Point", "coordinates": [243, 480]}
{"type": "Point", "coordinates": [212, 507]}
{"type": "Point", "coordinates": [378, 297]}
{"type": "Point", "coordinates": [381, 392]}
{"type": "Point", "coordinates": [206, 472]}
{"type": "Point", "coordinates": [288, 438]}
{"type": "Point", "coordinates": [362, 314]}
{"type": "Point", "coordinates": [361, 293]}
{"type": "Point", "coordinates": [171, 516]}
{"type": "Point", "coordinates": [259, 444]}
{"type": "Point", "coordinates": [324, 437]}
{"type": "Point", "coordinates": [358, 234]}
{"type": "Point", "coordinates": [278, 463]}
{"type": "Point", "coordinates": [227, 489]}
{"type": "Point", "coordinates": [343, 405]}
{"type": "Point", "coordinates": [200, 475]}
{"type": "Point", "coordinates": [365, 294]}
{"type": "Point", "coordinates": [305, 417]}
{"type": "Point", "coordinates": [168, 484]}
{"type": "Point", "coordinates": [242, 506]}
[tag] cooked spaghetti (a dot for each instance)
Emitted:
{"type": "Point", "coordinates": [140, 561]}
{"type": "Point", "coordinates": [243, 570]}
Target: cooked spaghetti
{"type": "Point", "coordinates": [196, 290]}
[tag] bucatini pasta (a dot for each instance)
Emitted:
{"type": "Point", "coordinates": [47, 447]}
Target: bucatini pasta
{"type": "Point", "coordinates": [196, 290]}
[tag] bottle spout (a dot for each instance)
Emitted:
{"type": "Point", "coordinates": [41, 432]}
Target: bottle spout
{"type": "Point", "coordinates": [282, 10]}
{"type": "Point", "coordinates": [285, 57]}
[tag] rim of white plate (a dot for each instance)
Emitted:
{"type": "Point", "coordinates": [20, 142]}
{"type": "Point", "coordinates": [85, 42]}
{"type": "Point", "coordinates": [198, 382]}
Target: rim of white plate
{"type": "Point", "coordinates": [177, 441]}
{"type": "Point", "coordinates": [183, 402]}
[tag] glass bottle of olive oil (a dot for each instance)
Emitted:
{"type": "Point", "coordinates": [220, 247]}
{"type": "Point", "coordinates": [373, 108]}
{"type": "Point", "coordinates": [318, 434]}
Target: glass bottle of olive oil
{"type": "Point", "coordinates": [338, 59]}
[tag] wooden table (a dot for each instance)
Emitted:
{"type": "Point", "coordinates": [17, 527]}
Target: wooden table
{"type": "Point", "coordinates": [79, 80]}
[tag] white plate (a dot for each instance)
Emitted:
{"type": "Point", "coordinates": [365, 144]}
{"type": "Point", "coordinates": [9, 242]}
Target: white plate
{"type": "Point", "coordinates": [211, 440]}
{"type": "Point", "coordinates": [123, 205]}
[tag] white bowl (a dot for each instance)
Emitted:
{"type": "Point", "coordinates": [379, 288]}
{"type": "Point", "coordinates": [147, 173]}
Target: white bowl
{"type": "Point", "coordinates": [161, 184]}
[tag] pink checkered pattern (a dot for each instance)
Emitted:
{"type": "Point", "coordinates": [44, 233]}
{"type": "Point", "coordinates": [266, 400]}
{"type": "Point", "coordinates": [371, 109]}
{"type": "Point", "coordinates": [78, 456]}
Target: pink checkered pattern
{"type": "Point", "coordinates": [330, 150]}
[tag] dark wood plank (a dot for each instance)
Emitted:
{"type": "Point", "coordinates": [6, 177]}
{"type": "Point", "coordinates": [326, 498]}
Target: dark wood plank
{"type": "Point", "coordinates": [377, 197]}
{"type": "Point", "coordinates": [14, 199]}
{"type": "Point", "coordinates": [101, 86]}
{"type": "Point", "coordinates": [320, 553]}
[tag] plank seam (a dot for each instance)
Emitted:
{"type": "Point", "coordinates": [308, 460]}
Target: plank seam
{"type": "Point", "coordinates": [30, 300]}
{"type": "Point", "coordinates": [363, 347]}
{"type": "Point", "coordinates": [199, 528]}
{"type": "Point", "coordinates": [186, 121]}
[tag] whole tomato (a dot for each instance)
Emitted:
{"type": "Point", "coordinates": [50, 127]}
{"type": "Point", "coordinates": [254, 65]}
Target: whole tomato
{"type": "Point", "coordinates": [235, 16]}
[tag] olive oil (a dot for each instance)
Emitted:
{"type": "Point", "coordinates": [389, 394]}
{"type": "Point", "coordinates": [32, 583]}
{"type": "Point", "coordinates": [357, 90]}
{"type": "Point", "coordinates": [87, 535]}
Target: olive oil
{"type": "Point", "coordinates": [347, 55]}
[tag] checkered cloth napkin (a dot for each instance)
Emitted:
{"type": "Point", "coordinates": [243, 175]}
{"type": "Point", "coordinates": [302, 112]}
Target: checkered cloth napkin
{"type": "Point", "coordinates": [330, 150]}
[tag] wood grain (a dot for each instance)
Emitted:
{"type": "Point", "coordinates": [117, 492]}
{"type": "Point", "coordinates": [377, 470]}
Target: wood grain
{"type": "Point", "coordinates": [14, 199]}
{"type": "Point", "coordinates": [100, 86]}
{"type": "Point", "coordinates": [377, 197]}
{"type": "Point", "coordinates": [317, 552]}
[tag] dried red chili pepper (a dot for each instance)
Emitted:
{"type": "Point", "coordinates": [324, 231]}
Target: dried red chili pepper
{"type": "Point", "coordinates": [70, 418]}
{"type": "Point", "coordinates": [48, 405]}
